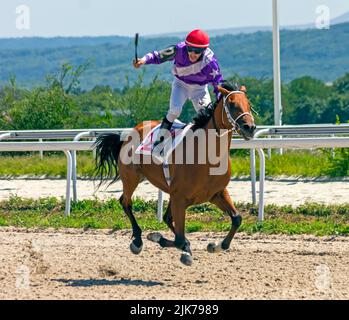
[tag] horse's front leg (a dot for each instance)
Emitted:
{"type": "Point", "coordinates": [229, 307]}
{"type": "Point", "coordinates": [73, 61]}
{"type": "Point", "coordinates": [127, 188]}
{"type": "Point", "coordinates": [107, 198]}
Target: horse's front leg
{"type": "Point", "coordinates": [223, 201]}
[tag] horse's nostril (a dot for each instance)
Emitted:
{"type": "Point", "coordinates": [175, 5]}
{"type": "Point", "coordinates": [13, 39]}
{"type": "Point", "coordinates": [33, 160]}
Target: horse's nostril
{"type": "Point", "coordinates": [247, 127]}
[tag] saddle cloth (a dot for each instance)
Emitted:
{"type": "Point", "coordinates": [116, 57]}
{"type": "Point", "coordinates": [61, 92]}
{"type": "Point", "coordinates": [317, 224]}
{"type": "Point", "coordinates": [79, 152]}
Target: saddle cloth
{"type": "Point", "coordinates": [178, 131]}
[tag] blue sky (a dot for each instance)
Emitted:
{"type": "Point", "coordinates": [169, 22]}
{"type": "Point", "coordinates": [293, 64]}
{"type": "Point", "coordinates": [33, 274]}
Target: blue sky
{"type": "Point", "coordinates": [120, 17]}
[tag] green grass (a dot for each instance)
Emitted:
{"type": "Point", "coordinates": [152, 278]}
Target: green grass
{"type": "Point", "coordinates": [50, 165]}
{"type": "Point", "coordinates": [294, 163]}
{"type": "Point", "coordinates": [310, 218]}
{"type": "Point", "coordinates": [300, 164]}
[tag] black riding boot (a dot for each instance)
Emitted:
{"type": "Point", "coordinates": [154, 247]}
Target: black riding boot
{"type": "Point", "coordinates": [163, 132]}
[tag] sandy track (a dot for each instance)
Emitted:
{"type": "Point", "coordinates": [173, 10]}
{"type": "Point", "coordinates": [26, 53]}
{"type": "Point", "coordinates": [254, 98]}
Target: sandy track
{"type": "Point", "coordinates": [281, 192]}
{"type": "Point", "coordinates": [72, 264]}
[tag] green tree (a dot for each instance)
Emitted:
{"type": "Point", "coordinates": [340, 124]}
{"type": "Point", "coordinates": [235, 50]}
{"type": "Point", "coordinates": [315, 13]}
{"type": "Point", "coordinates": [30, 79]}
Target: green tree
{"type": "Point", "coordinates": [42, 109]}
{"type": "Point", "coordinates": [305, 100]}
{"type": "Point", "coordinates": [341, 85]}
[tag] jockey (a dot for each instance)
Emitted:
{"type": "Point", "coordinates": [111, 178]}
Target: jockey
{"type": "Point", "coordinates": [195, 66]}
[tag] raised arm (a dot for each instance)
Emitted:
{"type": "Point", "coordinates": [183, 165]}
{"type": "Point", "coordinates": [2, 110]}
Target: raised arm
{"type": "Point", "coordinates": [157, 57]}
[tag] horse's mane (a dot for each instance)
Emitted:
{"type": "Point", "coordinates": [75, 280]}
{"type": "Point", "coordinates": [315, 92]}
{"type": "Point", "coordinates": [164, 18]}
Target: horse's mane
{"type": "Point", "coordinates": [205, 114]}
{"type": "Point", "coordinates": [231, 86]}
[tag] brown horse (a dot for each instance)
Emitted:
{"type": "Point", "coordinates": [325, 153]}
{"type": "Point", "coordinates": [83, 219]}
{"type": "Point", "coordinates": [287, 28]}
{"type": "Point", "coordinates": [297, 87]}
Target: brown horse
{"type": "Point", "coordinates": [190, 183]}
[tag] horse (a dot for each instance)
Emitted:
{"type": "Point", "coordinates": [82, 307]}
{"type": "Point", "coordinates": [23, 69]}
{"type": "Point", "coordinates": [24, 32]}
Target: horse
{"type": "Point", "coordinates": [191, 184]}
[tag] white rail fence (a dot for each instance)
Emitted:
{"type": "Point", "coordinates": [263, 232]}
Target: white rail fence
{"type": "Point", "coordinates": [257, 144]}
{"type": "Point", "coordinates": [66, 147]}
{"type": "Point", "coordinates": [74, 134]}
{"type": "Point", "coordinates": [296, 130]}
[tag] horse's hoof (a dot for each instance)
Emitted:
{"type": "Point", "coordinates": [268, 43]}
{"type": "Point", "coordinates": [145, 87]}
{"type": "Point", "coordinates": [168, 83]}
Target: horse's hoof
{"type": "Point", "coordinates": [134, 249]}
{"type": "Point", "coordinates": [186, 259]}
{"type": "Point", "coordinates": [213, 248]}
{"type": "Point", "coordinates": [154, 237]}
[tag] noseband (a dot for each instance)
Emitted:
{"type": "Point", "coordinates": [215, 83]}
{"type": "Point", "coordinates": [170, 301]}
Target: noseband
{"type": "Point", "coordinates": [233, 122]}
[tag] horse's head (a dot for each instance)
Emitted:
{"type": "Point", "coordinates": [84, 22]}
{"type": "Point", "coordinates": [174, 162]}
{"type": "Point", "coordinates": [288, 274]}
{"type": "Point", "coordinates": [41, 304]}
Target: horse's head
{"type": "Point", "coordinates": [236, 110]}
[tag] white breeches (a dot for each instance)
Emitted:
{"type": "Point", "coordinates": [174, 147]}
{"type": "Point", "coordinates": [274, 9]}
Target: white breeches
{"type": "Point", "coordinates": [181, 92]}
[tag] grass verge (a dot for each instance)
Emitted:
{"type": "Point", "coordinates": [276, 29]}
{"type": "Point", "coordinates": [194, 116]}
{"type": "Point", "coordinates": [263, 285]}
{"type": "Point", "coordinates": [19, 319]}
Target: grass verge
{"type": "Point", "coordinates": [311, 218]}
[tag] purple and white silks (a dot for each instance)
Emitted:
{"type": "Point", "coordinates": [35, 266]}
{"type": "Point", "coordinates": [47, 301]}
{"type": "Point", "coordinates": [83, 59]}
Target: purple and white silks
{"type": "Point", "coordinates": [205, 71]}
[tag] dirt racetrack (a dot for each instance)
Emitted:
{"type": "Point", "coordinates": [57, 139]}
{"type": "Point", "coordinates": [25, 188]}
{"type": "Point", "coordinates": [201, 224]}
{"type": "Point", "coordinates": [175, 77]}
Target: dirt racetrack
{"type": "Point", "coordinates": [94, 264]}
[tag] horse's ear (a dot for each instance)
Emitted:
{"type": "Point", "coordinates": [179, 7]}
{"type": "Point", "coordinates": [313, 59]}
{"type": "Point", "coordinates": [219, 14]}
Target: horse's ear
{"type": "Point", "coordinates": [223, 91]}
{"type": "Point", "coordinates": [243, 89]}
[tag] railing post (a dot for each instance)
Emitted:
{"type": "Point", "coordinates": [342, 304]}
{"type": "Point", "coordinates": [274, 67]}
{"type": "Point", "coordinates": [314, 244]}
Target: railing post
{"type": "Point", "coordinates": [41, 152]}
{"type": "Point", "coordinates": [261, 185]}
{"type": "Point", "coordinates": [253, 165]}
{"type": "Point", "coordinates": [333, 153]}
{"type": "Point", "coordinates": [69, 175]}
{"type": "Point", "coordinates": [160, 205]}
{"type": "Point", "coordinates": [269, 150]}
{"type": "Point", "coordinates": [253, 174]}
{"type": "Point", "coordinates": [74, 164]}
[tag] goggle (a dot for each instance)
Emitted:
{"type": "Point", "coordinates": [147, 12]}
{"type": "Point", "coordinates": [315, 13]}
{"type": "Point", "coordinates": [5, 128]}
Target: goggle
{"type": "Point", "coordinates": [195, 50]}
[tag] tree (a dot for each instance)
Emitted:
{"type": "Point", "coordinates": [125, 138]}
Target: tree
{"type": "Point", "coordinates": [67, 78]}
{"type": "Point", "coordinates": [341, 85]}
{"type": "Point", "coordinates": [304, 101]}
{"type": "Point", "coordinates": [43, 109]}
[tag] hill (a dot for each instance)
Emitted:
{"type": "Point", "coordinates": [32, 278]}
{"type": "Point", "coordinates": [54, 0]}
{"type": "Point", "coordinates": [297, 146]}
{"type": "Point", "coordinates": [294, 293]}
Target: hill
{"type": "Point", "coordinates": [318, 53]}
{"type": "Point", "coordinates": [344, 18]}
{"type": "Point", "coordinates": [59, 42]}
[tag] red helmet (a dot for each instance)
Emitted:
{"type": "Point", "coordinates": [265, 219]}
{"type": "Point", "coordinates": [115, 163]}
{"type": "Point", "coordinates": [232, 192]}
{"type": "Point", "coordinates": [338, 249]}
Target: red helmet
{"type": "Point", "coordinates": [198, 39]}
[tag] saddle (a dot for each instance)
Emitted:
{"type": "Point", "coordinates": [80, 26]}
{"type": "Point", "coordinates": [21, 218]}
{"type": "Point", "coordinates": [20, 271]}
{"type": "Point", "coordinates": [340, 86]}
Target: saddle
{"type": "Point", "coordinates": [163, 151]}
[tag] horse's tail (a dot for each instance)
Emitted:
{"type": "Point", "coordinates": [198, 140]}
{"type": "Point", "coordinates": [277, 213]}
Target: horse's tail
{"type": "Point", "coordinates": [108, 148]}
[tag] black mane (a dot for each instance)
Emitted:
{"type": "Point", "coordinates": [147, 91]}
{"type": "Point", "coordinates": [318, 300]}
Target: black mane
{"type": "Point", "coordinates": [231, 86]}
{"type": "Point", "coordinates": [204, 115]}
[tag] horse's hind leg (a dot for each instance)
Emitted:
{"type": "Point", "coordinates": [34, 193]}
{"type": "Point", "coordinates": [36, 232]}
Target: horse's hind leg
{"type": "Point", "coordinates": [223, 201]}
{"type": "Point", "coordinates": [130, 180]}
{"type": "Point", "coordinates": [158, 238]}
{"type": "Point", "coordinates": [168, 217]}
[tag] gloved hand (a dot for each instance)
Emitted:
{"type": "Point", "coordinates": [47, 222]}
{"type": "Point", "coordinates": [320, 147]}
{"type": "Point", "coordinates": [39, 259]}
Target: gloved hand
{"type": "Point", "coordinates": [139, 63]}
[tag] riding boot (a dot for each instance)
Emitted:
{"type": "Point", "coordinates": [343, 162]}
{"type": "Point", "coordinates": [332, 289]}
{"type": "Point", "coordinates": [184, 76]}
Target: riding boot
{"type": "Point", "coordinates": [163, 131]}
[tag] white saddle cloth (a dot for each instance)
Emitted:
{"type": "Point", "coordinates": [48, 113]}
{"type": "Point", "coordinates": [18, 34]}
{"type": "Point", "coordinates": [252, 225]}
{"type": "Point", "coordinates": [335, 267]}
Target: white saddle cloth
{"type": "Point", "coordinates": [178, 131]}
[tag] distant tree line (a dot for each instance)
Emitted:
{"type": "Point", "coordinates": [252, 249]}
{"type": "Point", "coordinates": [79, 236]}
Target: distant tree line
{"type": "Point", "coordinates": [61, 103]}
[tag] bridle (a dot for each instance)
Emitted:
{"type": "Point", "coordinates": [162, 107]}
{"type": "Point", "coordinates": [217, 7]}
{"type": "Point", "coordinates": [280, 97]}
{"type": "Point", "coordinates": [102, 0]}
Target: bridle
{"type": "Point", "coordinates": [233, 122]}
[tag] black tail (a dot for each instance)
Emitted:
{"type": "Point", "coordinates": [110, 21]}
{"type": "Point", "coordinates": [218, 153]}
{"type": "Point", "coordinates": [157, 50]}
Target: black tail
{"type": "Point", "coordinates": [108, 148]}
